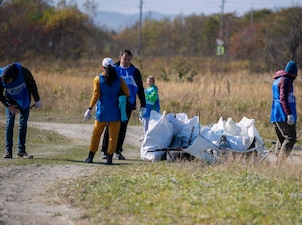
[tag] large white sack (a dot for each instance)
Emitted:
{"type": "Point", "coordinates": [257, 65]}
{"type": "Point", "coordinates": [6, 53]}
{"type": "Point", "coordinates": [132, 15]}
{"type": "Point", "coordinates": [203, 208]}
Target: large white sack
{"type": "Point", "coordinates": [158, 137]}
{"type": "Point", "coordinates": [240, 135]}
{"type": "Point", "coordinates": [249, 131]}
{"type": "Point", "coordinates": [177, 124]}
{"type": "Point", "coordinates": [186, 133]}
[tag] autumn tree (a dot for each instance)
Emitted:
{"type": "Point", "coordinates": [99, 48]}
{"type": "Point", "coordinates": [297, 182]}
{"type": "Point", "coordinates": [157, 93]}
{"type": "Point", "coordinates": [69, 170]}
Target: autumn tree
{"type": "Point", "coordinates": [283, 38]}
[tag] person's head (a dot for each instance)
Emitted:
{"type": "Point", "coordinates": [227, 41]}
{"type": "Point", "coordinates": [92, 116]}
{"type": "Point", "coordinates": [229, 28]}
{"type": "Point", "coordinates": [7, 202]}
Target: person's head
{"type": "Point", "coordinates": [108, 68]}
{"type": "Point", "coordinates": [291, 68]}
{"type": "Point", "coordinates": [125, 58]}
{"type": "Point", "coordinates": [9, 73]}
{"type": "Point", "coordinates": [150, 80]}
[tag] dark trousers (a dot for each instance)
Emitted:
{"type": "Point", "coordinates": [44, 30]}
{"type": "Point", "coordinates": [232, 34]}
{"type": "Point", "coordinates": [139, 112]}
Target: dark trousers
{"type": "Point", "coordinates": [121, 136]}
{"type": "Point", "coordinates": [286, 135]}
{"type": "Point", "coordinates": [9, 133]}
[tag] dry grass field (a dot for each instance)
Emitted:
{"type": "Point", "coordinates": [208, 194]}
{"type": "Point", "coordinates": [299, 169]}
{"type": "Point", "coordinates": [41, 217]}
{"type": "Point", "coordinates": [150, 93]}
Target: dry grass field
{"type": "Point", "coordinates": [67, 92]}
{"type": "Point", "coordinates": [218, 89]}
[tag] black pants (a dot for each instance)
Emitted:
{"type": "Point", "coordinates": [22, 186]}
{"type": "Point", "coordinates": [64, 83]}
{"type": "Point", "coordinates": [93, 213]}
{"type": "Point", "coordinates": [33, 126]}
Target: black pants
{"type": "Point", "coordinates": [121, 136]}
{"type": "Point", "coordinates": [286, 135]}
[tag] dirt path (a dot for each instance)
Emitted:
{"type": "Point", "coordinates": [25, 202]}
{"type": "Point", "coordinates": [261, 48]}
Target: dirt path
{"type": "Point", "coordinates": [23, 199]}
{"type": "Point", "coordinates": [23, 196]}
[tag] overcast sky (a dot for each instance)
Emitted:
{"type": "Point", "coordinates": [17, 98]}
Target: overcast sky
{"type": "Point", "coordinates": [187, 7]}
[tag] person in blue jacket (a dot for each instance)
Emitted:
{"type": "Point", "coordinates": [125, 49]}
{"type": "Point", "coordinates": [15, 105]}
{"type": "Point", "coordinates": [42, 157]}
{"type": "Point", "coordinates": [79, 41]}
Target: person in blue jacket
{"type": "Point", "coordinates": [107, 87]}
{"type": "Point", "coordinates": [17, 85]}
{"type": "Point", "coordinates": [133, 79]}
{"type": "Point", "coordinates": [283, 112]}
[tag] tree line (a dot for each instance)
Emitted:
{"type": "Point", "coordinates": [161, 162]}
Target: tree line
{"type": "Point", "coordinates": [35, 29]}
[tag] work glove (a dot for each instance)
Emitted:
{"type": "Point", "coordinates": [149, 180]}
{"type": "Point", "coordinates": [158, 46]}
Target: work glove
{"type": "Point", "coordinates": [37, 104]}
{"type": "Point", "coordinates": [87, 115]}
{"type": "Point", "coordinates": [141, 113]}
{"type": "Point", "coordinates": [290, 119]}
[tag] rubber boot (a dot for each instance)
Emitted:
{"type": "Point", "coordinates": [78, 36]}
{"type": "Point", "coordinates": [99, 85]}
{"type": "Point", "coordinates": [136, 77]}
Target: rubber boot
{"type": "Point", "coordinates": [90, 157]}
{"type": "Point", "coordinates": [8, 154]}
{"type": "Point", "coordinates": [109, 160]}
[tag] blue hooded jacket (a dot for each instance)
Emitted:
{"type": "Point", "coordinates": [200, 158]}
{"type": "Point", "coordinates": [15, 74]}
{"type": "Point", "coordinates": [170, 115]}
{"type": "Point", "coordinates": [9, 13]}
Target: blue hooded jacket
{"type": "Point", "coordinates": [284, 101]}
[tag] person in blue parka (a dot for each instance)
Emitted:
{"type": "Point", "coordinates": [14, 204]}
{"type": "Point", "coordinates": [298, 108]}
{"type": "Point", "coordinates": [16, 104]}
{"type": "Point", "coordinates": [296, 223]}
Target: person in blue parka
{"type": "Point", "coordinates": [17, 85]}
{"type": "Point", "coordinates": [283, 112]}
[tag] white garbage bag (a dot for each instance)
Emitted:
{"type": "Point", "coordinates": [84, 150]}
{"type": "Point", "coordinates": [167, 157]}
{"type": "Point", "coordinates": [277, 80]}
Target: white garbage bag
{"type": "Point", "coordinates": [158, 137]}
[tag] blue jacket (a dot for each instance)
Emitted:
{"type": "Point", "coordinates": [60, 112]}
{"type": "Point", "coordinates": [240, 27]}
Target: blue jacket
{"type": "Point", "coordinates": [107, 106]}
{"type": "Point", "coordinates": [284, 101]}
{"type": "Point", "coordinates": [133, 79]}
{"type": "Point", "coordinates": [17, 89]}
{"type": "Point", "coordinates": [8, 92]}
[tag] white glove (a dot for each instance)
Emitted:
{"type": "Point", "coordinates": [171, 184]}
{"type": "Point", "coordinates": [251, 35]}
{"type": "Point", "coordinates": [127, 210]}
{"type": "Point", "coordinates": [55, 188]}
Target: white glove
{"type": "Point", "coordinates": [37, 104]}
{"type": "Point", "coordinates": [142, 111]}
{"type": "Point", "coordinates": [87, 115]}
{"type": "Point", "coordinates": [290, 119]}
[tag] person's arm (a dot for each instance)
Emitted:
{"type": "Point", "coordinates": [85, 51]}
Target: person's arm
{"type": "Point", "coordinates": [285, 87]}
{"type": "Point", "coordinates": [5, 101]}
{"type": "Point", "coordinates": [31, 84]}
{"type": "Point", "coordinates": [96, 94]}
{"type": "Point", "coordinates": [124, 88]}
{"type": "Point", "coordinates": [151, 95]}
{"type": "Point", "coordinates": [140, 92]}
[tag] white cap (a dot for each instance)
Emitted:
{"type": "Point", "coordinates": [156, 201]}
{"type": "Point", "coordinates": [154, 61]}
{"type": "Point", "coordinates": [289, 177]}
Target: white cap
{"type": "Point", "coordinates": [107, 61]}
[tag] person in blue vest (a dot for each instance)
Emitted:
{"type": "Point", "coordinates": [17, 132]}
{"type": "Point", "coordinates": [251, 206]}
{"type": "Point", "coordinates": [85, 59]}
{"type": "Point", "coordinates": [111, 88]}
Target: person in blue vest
{"type": "Point", "coordinates": [283, 112]}
{"type": "Point", "coordinates": [107, 87]}
{"type": "Point", "coordinates": [17, 86]}
{"type": "Point", "coordinates": [133, 79]}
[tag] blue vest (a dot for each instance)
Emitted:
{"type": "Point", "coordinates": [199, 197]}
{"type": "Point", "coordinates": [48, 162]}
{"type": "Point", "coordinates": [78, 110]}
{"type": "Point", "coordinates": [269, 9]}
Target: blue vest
{"type": "Point", "coordinates": [277, 113]}
{"type": "Point", "coordinates": [107, 106]}
{"type": "Point", "coordinates": [17, 90]}
{"type": "Point", "coordinates": [128, 76]}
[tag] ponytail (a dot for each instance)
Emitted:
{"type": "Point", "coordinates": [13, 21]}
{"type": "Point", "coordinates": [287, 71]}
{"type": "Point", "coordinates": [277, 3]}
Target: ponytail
{"type": "Point", "coordinates": [110, 75]}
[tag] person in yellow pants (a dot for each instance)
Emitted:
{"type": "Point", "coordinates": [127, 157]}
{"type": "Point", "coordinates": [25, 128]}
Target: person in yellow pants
{"type": "Point", "coordinates": [107, 86]}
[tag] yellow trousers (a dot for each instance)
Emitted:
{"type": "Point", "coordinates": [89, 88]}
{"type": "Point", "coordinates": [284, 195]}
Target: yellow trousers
{"type": "Point", "coordinates": [114, 129]}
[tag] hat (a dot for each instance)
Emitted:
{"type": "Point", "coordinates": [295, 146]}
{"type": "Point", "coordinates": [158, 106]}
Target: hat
{"type": "Point", "coordinates": [9, 72]}
{"type": "Point", "coordinates": [291, 68]}
{"type": "Point", "coordinates": [107, 61]}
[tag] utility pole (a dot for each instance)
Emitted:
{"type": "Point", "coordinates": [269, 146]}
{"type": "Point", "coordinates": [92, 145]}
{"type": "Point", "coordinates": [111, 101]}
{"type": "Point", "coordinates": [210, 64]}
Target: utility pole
{"type": "Point", "coordinates": [219, 41]}
{"type": "Point", "coordinates": [140, 27]}
{"type": "Point", "coordinates": [252, 14]}
{"type": "Point", "coordinates": [221, 19]}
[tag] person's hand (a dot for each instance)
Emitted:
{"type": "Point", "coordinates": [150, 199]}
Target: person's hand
{"type": "Point", "coordinates": [13, 109]}
{"type": "Point", "coordinates": [290, 119]}
{"type": "Point", "coordinates": [142, 111]}
{"type": "Point", "coordinates": [87, 115]}
{"type": "Point", "coordinates": [37, 104]}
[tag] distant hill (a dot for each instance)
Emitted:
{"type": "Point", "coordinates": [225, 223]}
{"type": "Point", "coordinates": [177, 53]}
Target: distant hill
{"type": "Point", "coordinates": [118, 21]}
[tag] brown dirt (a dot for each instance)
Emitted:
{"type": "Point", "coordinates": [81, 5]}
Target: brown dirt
{"type": "Point", "coordinates": [24, 199]}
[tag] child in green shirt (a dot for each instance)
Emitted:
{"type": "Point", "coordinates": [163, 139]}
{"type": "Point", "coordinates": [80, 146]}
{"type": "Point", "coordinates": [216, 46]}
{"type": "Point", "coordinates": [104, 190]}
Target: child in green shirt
{"type": "Point", "coordinates": [152, 101]}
